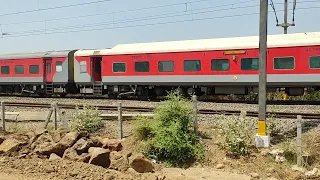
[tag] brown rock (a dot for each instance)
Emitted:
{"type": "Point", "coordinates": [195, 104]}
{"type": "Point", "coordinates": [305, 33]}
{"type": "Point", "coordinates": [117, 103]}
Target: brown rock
{"type": "Point", "coordinates": [100, 157]}
{"type": "Point", "coordinates": [43, 138]}
{"type": "Point", "coordinates": [82, 145]}
{"type": "Point", "coordinates": [10, 145]}
{"type": "Point", "coordinates": [141, 164]}
{"type": "Point", "coordinates": [96, 141]}
{"type": "Point", "coordinates": [121, 164]}
{"type": "Point", "coordinates": [70, 154]}
{"type": "Point", "coordinates": [111, 144]}
{"type": "Point", "coordinates": [48, 148]}
{"type": "Point", "coordinates": [69, 139]}
{"type": "Point", "coordinates": [53, 157]}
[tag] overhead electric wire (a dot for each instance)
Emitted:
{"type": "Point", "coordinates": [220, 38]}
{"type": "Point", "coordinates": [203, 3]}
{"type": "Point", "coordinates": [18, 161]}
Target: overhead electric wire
{"type": "Point", "coordinates": [274, 10]}
{"type": "Point", "coordinates": [52, 8]}
{"type": "Point", "coordinates": [293, 11]}
{"type": "Point", "coordinates": [160, 16]}
{"type": "Point", "coordinates": [122, 11]}
{"type": "Point", "coordinates": [161, 23]}
{"type": "Point", "coordinates": [130, 20]}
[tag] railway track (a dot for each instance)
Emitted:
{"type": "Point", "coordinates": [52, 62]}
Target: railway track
{"type": "Point", "coordinates": [283, 115]}
{"type": "Point", "coordinates": [201, 99]}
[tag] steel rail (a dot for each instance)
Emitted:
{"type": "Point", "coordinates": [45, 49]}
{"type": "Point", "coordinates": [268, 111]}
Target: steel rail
{"type": "Point", "coordinates": [284, 115]}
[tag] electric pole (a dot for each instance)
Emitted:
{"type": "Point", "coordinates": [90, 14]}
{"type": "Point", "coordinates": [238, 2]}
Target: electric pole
{"type": "Point", "coordinates": [261, 139]}
{"type": "Point", "coordinates": [285, 23]}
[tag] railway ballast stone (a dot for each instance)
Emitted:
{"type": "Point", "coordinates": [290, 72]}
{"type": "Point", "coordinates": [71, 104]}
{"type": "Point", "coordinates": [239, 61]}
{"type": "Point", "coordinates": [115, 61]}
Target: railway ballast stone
{"type": "Point", "coordinates": [100, 157]}
{"type": "Point", "coordinates": [141, 164]}
{"type": "Point", "coordinates": [11, 145]}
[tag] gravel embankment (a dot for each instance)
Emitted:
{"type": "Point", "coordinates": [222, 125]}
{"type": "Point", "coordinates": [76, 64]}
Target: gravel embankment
{"type": "Point", "coordinates": [201, 105]}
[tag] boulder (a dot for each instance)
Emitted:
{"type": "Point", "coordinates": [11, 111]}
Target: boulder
{"type": "Point", "coordinates": [53, 157]}
{"type": "Point", "coordinates": [96, 141]}
{"type": "Point", "coordinates": [120, 164]}
{"type": "Point", "coordinates": [141, 164]}
{"type": "Point", "coordinates": [43, 138]}
{"type": "Point", "coordinates": [10, 145]}
{"type": "Point", "coordinates": [48, 148]}
{"type": "Point", "coordinates": [82, 145]}
{"type": "Point", "coordinates": [69, 139]}
{"type": "Point", "coordinates": [111, 144]}
{"type": "Point", "coordinates": [71, 154]}
{"type": "Point", "coordinates": [100, 157]}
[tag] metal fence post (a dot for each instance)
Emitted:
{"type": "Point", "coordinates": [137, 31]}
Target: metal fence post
{"type": "Point", "coordinates": [3, 115]}
{"type": "Point", "coordinates": [195, 113]}
{"type": "Point", "coordinates": [55, 116]}
{"type": "Point", "coordinates": [299, 141]}
{"type": "Point", "coordinates": [120, 130]}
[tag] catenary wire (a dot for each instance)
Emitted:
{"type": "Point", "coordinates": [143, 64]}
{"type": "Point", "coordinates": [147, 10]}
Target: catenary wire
{"type": "Point", "coordinates": [52, 8]}
{"type": "Point", "coordinates": [161, 23]}
{"type": "Point", "coordinates": [161, 16]}
{"type": "Point", "coordinates": [120, 11]}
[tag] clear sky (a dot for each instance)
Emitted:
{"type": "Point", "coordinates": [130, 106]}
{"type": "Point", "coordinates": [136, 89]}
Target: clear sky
{"type": "Point", "coordinates": [189, 19]}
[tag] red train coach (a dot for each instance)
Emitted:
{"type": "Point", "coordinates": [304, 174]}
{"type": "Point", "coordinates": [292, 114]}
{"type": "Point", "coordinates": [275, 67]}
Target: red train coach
{"type": "Point", "coordinates": [37, 73]}
{"type": "Point", "coordinates": [212, 66]}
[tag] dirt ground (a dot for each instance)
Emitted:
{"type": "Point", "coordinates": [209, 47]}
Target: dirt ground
{"type": "Point", "coordinates": [26, 169]}
{"type": "Point", "coordinates": [14, 168]}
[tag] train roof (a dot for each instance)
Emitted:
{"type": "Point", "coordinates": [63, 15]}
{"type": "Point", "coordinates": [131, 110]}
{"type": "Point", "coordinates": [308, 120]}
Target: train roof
{"type": "Point", "coordinates": [89, 52]}
{"type": "Point", "coordinates": [280, 40]}
{"type": "Point", "coordinates": [62, 53]}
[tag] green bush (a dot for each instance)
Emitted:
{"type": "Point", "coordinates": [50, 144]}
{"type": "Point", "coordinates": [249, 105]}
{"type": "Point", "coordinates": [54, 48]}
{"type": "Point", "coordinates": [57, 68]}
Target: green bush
{"type": "Point", "coordinates": [237, 135]}
{"type": "Point", "coordinates": [87, 120]}
{"type": "Point", "coordinates": [143, 128]}
{"type": "Point", "coordinates": [171, 138]}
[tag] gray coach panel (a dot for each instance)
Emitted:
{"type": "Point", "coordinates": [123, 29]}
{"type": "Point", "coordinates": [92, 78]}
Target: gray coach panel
{"type": "Point", "coordinates": [35, 55]}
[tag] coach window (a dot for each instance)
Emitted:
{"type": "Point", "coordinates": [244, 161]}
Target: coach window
{"type": "Point", "coordinates": [192, 65]}
{"type": "Point", "coordinates": [283, 63]}
{"type": "Point", "coordinates": [34, 69]}
{"type": "Point", "coordinates": [314, 62]}
{"type": "Point", "coordinates": [250, 64]}
{"type": "Point", "coordinates": [220, 64]}
{"type": "Point", "coordinates": [141, 66]}
{"type": "Point", "coordinates": [19, 69]}
{"type": "Point", "coordinates": [5, 70]}
{"type": "Point", "coordinates": [165, 66]}
{"type": "Point", "coordinates": [119, 67]}
{"type": "Point", "coordinates": [83, 66]}
{"type": "Point", "coordinates": [58, 66]}
{"type": "Point", "coordinates": [49, 68]}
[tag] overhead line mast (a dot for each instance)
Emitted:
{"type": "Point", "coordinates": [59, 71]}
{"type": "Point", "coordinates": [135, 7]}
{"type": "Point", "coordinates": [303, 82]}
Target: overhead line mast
{"type": "Point", "coordinates": [285, 24]}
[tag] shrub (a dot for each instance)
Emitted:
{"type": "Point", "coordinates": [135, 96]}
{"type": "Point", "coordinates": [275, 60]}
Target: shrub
{"type": "Point", "coordinates": [237, 135]}
{"type": "Point", "coordinates": [143, 128]}
{"type": "Point", "coordinates": [87, 120]}
{"type": "Point", "coordinates": [172, 139]}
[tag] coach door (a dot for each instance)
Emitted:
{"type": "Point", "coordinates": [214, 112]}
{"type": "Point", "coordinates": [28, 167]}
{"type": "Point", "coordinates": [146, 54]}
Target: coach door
{"type": "Point", "coordinates": [96, 69]}
{"type": "Point", "coordinates": [48, 70]}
